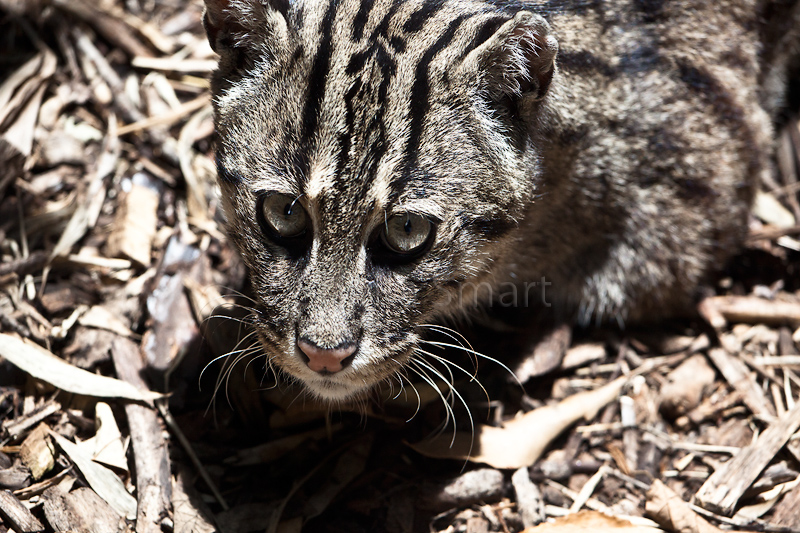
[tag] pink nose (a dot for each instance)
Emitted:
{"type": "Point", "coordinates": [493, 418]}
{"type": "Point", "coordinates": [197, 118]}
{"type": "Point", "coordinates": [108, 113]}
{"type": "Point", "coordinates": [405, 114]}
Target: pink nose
{"type": "Point", "coordinates": [324, 360]}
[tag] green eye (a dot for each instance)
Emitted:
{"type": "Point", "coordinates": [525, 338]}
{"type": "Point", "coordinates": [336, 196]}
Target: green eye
{"type": "Point", "coordinates": [407, 233]}
{"type": "Point", "coordinates": [282, 216]}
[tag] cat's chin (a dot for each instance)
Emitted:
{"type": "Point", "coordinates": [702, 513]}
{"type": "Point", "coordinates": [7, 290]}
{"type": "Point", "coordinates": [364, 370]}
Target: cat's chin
{"type": "Point", "coordinates": [332, 390]}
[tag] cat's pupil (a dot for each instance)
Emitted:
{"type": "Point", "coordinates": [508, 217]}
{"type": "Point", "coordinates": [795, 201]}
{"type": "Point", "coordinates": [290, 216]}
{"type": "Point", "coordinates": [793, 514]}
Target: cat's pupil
{"type": "Point", "coordinates": [407, 226]}
{"type": "Point", "coordinates": [287, 210]}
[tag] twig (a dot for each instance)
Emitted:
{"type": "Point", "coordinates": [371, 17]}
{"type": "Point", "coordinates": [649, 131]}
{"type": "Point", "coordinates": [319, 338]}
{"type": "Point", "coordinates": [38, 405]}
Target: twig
{"type": "Point", "coordinates": [187, 447]}
{"type": "Point", "coordinates": [26, 265]}
{"type": "Point", "coordinates": [166, 119]}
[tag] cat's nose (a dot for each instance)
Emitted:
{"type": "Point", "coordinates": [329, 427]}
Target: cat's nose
{"type": "Point", "coordinates": [327, 360]}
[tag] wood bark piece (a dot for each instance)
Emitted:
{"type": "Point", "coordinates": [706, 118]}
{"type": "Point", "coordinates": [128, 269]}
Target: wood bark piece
{"type": "Point", "coordinates": [134, 226]}
{"type": "Point", "coordinates": [17, 426]}
{"type": "Point", "coordinates": [37, 452]}
{"type": "Point", "coordinates": [153, 481]}
{"type": "Point", "coordinates": [81, 510]}
{"type": "Point", "coordinates": [113, 29]}
{"type": "Point", "coordinates": [738, 375]}
{"type": "Point", "coordinates": [755, 310]}
{"type": "Point", "coordinates": [721, 492]}
{"type": "Point", "coordinates": [102, 480]}
{"type": "Point", "coordinates": [547, 354]}
{"type": "Point", "coordinates": [17, 515]}
{"type": "Point", "coordinates": [529, 498]}
{"type": "Point", "coordinates": [685, 386]}
{"type": "Point", "coordinates": [786, 511]}
{"type": "Point", "coordinates": [672, 513]}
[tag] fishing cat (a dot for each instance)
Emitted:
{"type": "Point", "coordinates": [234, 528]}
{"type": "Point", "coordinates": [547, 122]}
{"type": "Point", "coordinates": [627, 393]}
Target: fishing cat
{"type": "Point", "coordinates": [385, 164]}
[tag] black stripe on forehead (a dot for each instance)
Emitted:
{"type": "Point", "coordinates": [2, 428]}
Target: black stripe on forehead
{"type": "Point", "coordinates": [361, 19]}
{"type": "Point", "coordinates": [370, 128]}
{"type": "Point", "coordinates": [344, 139]}
{"type": "Point", "coordinates": [419, 104]}
{"type": "Point", "coordinates": [319, 74]}
{"type": "Point", "coordinates": [417, 19]}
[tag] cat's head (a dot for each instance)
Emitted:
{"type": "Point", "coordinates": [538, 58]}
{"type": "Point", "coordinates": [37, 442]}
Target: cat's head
{"type": "Point", "coordinates": [372, 157]}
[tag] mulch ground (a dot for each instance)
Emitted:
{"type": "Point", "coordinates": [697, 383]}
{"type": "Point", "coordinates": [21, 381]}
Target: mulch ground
{"type": "Point", "coordinates": [131, 397]}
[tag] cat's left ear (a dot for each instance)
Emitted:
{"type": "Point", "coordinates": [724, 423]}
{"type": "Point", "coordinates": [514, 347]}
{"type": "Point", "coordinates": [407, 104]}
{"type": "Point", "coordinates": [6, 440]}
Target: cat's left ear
{"type": "Point", "coordinates": [519, 58]}
{"type": "Point", "coordinates": [245, 24]}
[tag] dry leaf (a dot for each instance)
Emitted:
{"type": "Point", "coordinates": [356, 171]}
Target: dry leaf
{"type": "Point", "coordinates": [106, 446]}
{"type": "Point", "coordinates": [672, 513]}
{"type": "Point", "coordinates": [43, 365]}
{"type": "Point", "coordinates": [590, 521]}
{"type": "Point", "coordinates": [771, 211]}
{"type": "Point", "coordinates": [522, 440]}
{"type": "Point", "coordinates": [102, 480]}
{"type": "Point", "coordinates": [101, 318]}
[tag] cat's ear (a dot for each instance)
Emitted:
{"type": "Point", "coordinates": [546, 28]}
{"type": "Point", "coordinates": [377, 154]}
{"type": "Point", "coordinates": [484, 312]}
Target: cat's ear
{"type": "Point", "coordinates": [519, 58]}
{"type": "Point", "coordinates": [245, 24]}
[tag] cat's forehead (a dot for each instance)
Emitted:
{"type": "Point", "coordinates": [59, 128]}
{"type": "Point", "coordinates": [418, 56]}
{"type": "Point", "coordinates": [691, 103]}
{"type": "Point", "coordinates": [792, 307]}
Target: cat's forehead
{"type": "Point", "coordinates": [365, 109]}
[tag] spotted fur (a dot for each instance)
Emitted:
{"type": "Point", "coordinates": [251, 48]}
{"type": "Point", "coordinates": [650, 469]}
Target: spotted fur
{"type": "Point", "coordinates": [610, 147]}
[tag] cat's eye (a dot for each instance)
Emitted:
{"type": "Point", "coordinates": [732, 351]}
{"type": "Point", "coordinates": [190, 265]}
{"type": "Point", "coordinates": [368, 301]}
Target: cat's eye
{"type": "Point", "coordinates": [282, 216]}
{"type": "Point", "coordinates": [407, 233]}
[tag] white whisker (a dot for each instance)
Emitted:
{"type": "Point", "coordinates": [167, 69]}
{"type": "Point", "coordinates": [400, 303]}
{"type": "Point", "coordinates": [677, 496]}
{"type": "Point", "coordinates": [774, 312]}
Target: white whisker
{"type": "Point", "coordinates": [427, 379]}
{"type": "Point", "coordinates": [472, 376]}
{"type": "Point", "coordinates": [478, 354]}
{"type": "Point", "coordinates": [463, 402]}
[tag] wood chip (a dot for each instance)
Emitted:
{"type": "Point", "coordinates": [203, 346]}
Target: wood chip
{"type": "Point", "coordinates": [741, 379]}
{"type": "Point", "coordinates": [480, 485]}
{"type": "Point", "coordinates": [672, 513]}
{"type": "Point", "coordinates": [17, 426]}
{"type": "Point", "coordinates": [81, 510]}
{"type": "Point", "coordinates": [786, 511]}
{"type": "Point", "coordinates": [686, 385]}
{"type": "Point", "coordinates": [153, 478]}
{"type": "Point", "coordinates": [135, 225]}
{"type": "Point", "coordinates": [547, 354]}
{"type": "Point", "coordinates": [102, 480]}
{"type": "Point", "coordinates": [37, 452]}
{"type": "Point", "coordinates": [17, 515]}
{"type": "Point", "coordinates": [529, 498]}
{"type": "Point", "coordinates": [722, 491]}
{"type": "Point", "coordinates": [754, 310]}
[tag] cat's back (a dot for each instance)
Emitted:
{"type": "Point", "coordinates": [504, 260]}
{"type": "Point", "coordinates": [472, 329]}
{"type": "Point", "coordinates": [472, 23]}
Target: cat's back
{"type": "Point", "coordinates": [655, 140]}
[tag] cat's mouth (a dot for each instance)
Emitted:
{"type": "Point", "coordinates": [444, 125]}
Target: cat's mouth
{"type": "Point", "coordinates": [365, 372]}
{"type": "Point", "coordinates": [337, 387]}
{"type": "Point", "coordinates": [351, 382]}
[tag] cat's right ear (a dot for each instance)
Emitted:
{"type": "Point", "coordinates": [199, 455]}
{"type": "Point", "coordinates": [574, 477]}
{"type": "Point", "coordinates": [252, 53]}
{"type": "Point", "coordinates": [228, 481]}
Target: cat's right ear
{"type": "Point", "coordinates": [518, 59]}
{"type": "Point", "coordinates": [245, 25]}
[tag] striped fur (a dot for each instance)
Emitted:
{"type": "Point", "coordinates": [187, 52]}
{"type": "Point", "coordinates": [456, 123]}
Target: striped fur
{"type": "Point", "coordinates": [621, 169]}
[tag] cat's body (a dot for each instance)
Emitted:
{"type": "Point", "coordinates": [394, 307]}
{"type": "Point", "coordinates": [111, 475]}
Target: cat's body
{"type": "Point", "coordinates": [381, 162]}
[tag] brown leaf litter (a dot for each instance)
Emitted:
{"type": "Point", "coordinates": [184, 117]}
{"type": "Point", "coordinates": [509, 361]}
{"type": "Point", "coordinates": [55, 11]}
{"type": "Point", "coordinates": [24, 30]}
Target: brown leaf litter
{"type": "Point", "coordinates": [132, 400]}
